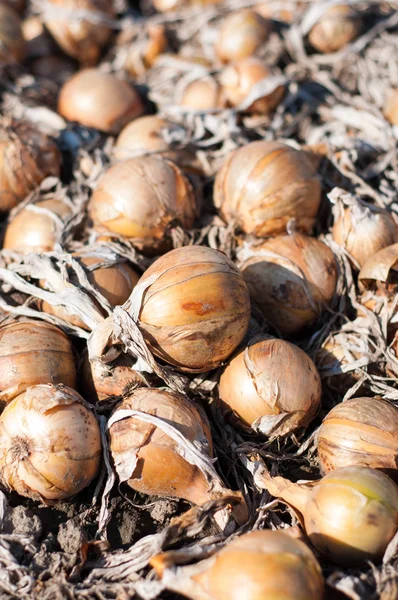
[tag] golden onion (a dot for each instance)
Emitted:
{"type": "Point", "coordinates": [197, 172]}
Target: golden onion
{"type": "Point", "coordinates": [263, 185]}
{"type": "Point", "coordinates": [336, 28]}
{"type": "Point", "coordinates": [12, 43]}
{"type": "Point", "coordinates": [241, 34]}
{"type": "Point", "coordinates": [99, 382]}
{"type": "Point", "coordinates": [202, 94]}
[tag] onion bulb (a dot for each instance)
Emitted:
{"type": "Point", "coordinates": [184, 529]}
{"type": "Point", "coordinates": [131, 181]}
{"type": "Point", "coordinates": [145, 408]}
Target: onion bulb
{"type": "Point", "coordinates": [272, 386]}
{"type": "Point", "coordinates": [144, 136]}
{"type": "Point", "coordinates": [263, 185]}
{"type": "Point", "coordinates": [238, 80]}
{"type": "Point", "coordinates": [27, 156]}
{"type": "Point", "coordinates": [37, 227]}
{"type": "Point", "coordinates": [96, 99]}
{"type": "Point", "coordinates": [363, 230]}
{"type": "Point", "coordinates": [33, 352]}
{"type": "Point", "coordinates": [339, 26]}
{"type": "Point", "coordinates": [139, 198]}
{"type": "Point", "coordinates": [241, 34]}
{"type": "Point", "coordinates": [79, 37]}
{"type": "Point", "coordinates": [50, 443]}
{"type": "Point", "coordinates": [195, 309]}
{"type": "Point", "coordinates": [12, 43]}
{"type": "Point", "coordinates": [360, 431]}
{"type": "Point", "coordinates": [350, 515]}
{"type": "Point", "coordinates": [202, 94]}
{"type": "Point", "coordinates": [391, 107]}
{"type": "Point", "coordinates": [292, 278]}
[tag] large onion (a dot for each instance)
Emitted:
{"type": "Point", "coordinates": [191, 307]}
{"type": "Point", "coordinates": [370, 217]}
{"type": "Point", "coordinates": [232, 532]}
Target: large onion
{"type": "Point", "coordinates": [292, 278]}
{"type": "Point", "coordinates": [241, 34]}
{"type": "Point", "coordinates": [265, 184]}
{"type": "Point", "coordinates": [12, 43]}
{"type": "Point", "coordinates": [50, 443]}
{"type": "Point", "coordinates": [337, 27]}
{"type": "Point", "coordinates": [273, 386]}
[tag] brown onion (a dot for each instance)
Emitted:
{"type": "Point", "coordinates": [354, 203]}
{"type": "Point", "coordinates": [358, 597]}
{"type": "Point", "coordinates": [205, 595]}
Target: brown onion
{"type": "Point", "coordinates": [241, 34]}
{"type": "Point", "coordinates": [79, 37]}
{"type": "Point", "coordinates": [272, 386]}
{"type": "Point", "coordinates": [140, 197]}
{"type": "Point", "coordinates": [50, 444]}
{"type": "Point", "coordinates": [292, 278]}
{"type": "Point", "coordinates": [195, 309]}
{"type": "Point", "coordinates": [360, 431]}
{"type": "Point", "coordinates": [238, 80]}
{"type": "Point", "coordinates": [391, 107]}
{"type": "Point", "coordinates": [12, 43]}
{"type": "Point", "coordinates": [336, 28]}
{"type": "Point", "coordinates": [27, 156]}
{"type": "Point", "coordinates": [33, 352]}
{"type": "Point", "coordinates": [96, 99]}
{"type": "Point", "coordinates": [202, 94]}
{"type": "Point", "coordinates": [264, 185]}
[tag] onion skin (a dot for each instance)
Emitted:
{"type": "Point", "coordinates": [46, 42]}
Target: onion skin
{"type": "Point", "coordinates": [241, 34]}
{"type": "Point", "coordinates": [291, 278]}
{"type": "Point", "coordinates": [391, 107]}
{"type": "Point", "coordinates": [100, 100]}
{"type": "Point", "coordinates": [263, 185]}
{"type": "Point", "coordinates": [197, 311]}
{"type": "Point", "coordinates": [202, 94]}
{"type": "Point", "coordinates": [139, 198]}
{"type": "Point", "coordinates": [339, 26]}
{"type": "Point", "coordinates": [50, 444]}
{"type": "Point", "coordinates": [12, 47]}
{"type": "Point", "coordinates": [360, 431]}
{"type": "Point", "coordinates": [271, 378]}
{"type": "Point", "coordinates": [98, 382]}
{"type": "Point", "coordinates": [379, 269]}
{"type": "Point", "coordinates": [31, 353]}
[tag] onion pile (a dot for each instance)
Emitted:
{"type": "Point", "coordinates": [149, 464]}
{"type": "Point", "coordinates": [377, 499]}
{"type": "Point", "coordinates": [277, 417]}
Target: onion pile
{"type": "Point", "coordinates": [240, 35]}
{"type": "Point", "coordinates": [339, 26]}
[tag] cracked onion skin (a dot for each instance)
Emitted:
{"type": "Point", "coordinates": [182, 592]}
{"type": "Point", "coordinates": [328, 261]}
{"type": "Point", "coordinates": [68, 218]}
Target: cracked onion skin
{"type": "Point", "coordinates": [360, 431]}
{"type": "Point", "coordinates": [50, 444]}
{"type": "Point", "coordinates": [196, 311]}
{"type": "Point", "coordinates": [263, 185]}
{"type": "Point", "coordinates": [12, 43]}
{"type": "Point", "coordinates": [275, 382]}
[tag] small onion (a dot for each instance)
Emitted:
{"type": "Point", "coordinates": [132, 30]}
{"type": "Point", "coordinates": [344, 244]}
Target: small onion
{"type": "Point", "coordinates": [96, 99]}
{"type": "Point", "coordinates": [56, 68]}
{"type": "Point", "coordinates": [363, 230]}
{"type": "Point", "coordinates": [350, 515]}
{"type": "Point", "coordinates": [78, 37]}
{"type": "Point", "coordinates": [12, 43]}
{"type": "Point", "coordinates": [27, 156]}
{"type": "Point", "coordinates": [360, 431]}
{"type": "Point", "coordinates": [195, 309]}
{"type": "Point", "coordinates": [241, 34]}
{"type": "Point", "coordinates": [272, 386]}
{"type": "Point", "coordinates": [263, 185]}
{"type": "Point", "coordinates": [339, 26]}
{"type": "Point", "coordinates": [202, 94]}
{"type": "Point", "coordinates": [50, 444]}
{"type": "Point", "coordinates": [33, 352]}
{"type": "Point", "coordinates": [144, 135]}
{"type": "Point", "coordinates": [291, 278]}
{"type": "Point", "coordinates": [391, 107]}
{"type": "Point", "coordinates": [140, 197]}
{"type": "Point", "coordinates": [238, 80]}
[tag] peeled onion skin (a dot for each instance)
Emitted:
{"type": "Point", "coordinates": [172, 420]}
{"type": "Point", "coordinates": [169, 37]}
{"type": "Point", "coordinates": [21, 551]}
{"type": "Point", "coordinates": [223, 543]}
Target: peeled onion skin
{"type": "Point", "coordinates": [339, 26]}
{"type": "Point", "coordinates": [50, 444]}
{"type": "Point", "coordinates": [12, 43]}
{"type": "Point", "coordinates": [263, 185]}
{"type": "Point", "coordinates": [360, 431]}
{"type": "Point", "coordinates": [269, 380]}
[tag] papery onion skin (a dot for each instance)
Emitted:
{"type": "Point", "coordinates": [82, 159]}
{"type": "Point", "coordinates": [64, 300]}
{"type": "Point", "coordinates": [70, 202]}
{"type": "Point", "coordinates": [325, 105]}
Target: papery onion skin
{"type": "Point", "coordinates": [263, 185]}
{"type": "Point", "coordinates": [269, 378]}
{"type": "Point", "coordinates": [202, 94]}
{"type": "Point", "coordinates": [360, 431]}
{"type": "Point", "coordinates": [100, 100]}
{"type": "Point", "coordinates": [31, 353]}
{"type": "Point", "coordinates": [50, 444]}
{"type": "Point", "coordinates": [161, 470]}
{"type": "Point", "coordinates": [379, 269]}
{"type": "Point", "coordinates": [292, 278]}
{"type": "Point", "coordinates": [241, 34]}
{"type": "Point", "coordinates": [12, 47]}
{"type": "Point", "coordinates": [337, 27]}
{"type": "Point", "coordinates": [139, 198]}
{"type": "Point", "coordinates": [391, 107]}
{"type": "Point", "coordinates": [264, 564]}
{"type": "Point", "coordinates": [197, 311]}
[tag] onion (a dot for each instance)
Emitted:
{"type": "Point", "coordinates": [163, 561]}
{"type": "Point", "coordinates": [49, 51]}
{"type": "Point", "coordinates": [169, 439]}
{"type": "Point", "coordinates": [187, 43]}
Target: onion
{"type": "Point", "coordinates": [37, 227]}
{"type": "Point", "coordinates": [202, 94]}
{"type": "Point", "coordinates": [350, 515]}
{"type": "Point", "coordinates": [56, 68]}
{"type": "Point", "coordinates": [139, 198]}
{"type": "Point", "coordinates": [50, 444]}
{"type": "Point", "coordinates": [292, 278]}
{"type": "Point", "coordinates": [79, 37]}
{"type": "Point", "coordinates": [363, 230]}
{"type": "Point", "coordinates": [339, 26]}
{"type": "Point", "coordinates": [96, 99]}
{"type": "Point", "coordinates": [265, 184]}
{"type": "Point", "coordinates": [33, 352]}
{"type": "Point", "coordinates": [272, 386]}
{"type": "Point", "coordinates": [12, 43]}
{"type": "Point", "coordinates": [391, 107]}
{"type": "Point", "coordinates": [27, 156]}
{"type": "Point", "coordinates": [144, 135]}
{"type": "Point", "coordinates": [241, 34]}
{"type": "Point", "coordinates": [238, 80]}
{"type": "Point", "coordinates": [141, 54]}
{"type": "Point", "coordinates": [195, 309]}
{"type": "Point", "coordinates": [360, 431]}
